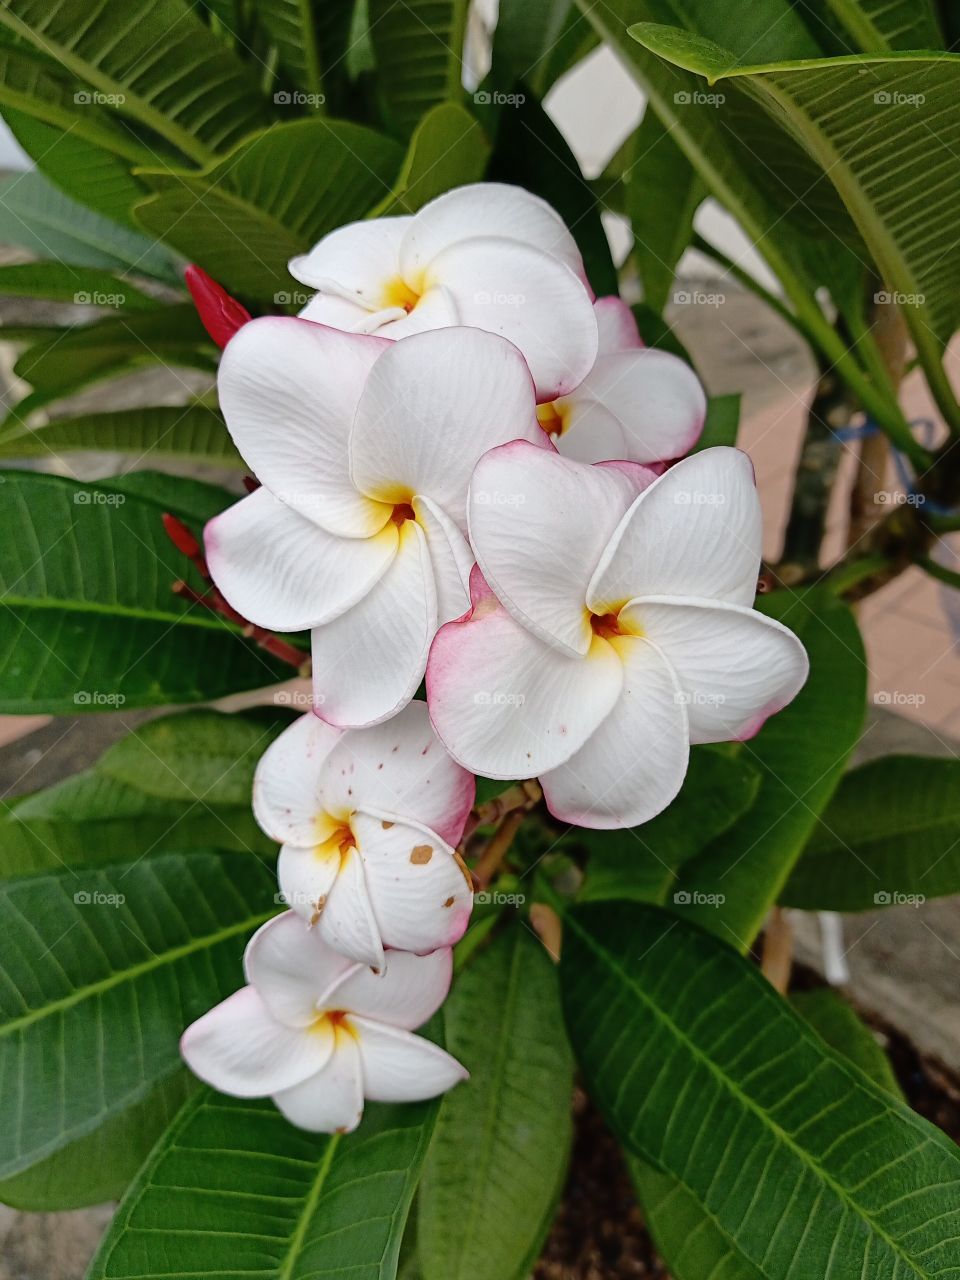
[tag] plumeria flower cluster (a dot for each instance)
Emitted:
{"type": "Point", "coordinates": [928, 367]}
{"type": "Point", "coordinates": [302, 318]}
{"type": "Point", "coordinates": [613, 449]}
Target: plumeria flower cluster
{"type": "Point", "coordinates": [468, 473]}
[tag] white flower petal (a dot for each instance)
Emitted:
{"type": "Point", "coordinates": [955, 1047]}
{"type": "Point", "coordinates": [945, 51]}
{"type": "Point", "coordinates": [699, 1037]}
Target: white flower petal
{"type": "Point", "coordinates": [528, 297]}
{"type": "Point", "coordinates": [347, 923]}
{"type": "Point", "coordinates": [653, 398]}
{"type": "Point", "coordinates": [420, 892]}
{"type": "Point", "coordinates": [282, 571]}
{"type": "Point", "coordinates": [616, 325]}
{"type": "Point", "coordinates": [306, 876]}
{"type": "Point", "coordinates": [400, 1067]}
{"type": "Point", "coordinates": [286, 785]}
{"type": "Point", "coordinates": [695, 532]}
{"type": "Point", "coordinates": [400, 769]}
{"type": "Point", "coordinates": [331, 1101]}
{"type": "Point", "coordinates": [291, 968]}
{"type": "Point", "coordinates": [359, 259]}
{"type": "Point", "coordinates": [289, 391]}
{"type": "Point", "coordinates": [486, 209]}
{"type": "Point", "coordinates": [436, 309]}
{"type": "Point", "coordinates": [368, 663]}
{"type": "Point", "coordinates": [539, 524]}
{"type": "Point", "coordinates": [407, 995]}
{"type": "Point", "coordinates": [336, 313]}
{"type": "Point", "coordinates": [635, 763]}
{"type": "Point", "coordinates": [240, 1049]}
{"type": "Point", "coordinates": [432, 406]}
{"type": "Point", "coordinates": [735, 666]}
{"type": "Point", "coordinates": [507, 705]}
{"type": "Point", "coordinates": [450, 556]}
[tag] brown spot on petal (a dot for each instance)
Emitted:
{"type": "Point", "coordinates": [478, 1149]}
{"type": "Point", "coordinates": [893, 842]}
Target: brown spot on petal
{"type": "Point", "coordinates": [421, 854]}
{"type": "Point", "coordinates": [464, 870]}
{"type": "Point", "coordinates": [386, 825]}
{"type": "Point", "coordinates": [449, 902]}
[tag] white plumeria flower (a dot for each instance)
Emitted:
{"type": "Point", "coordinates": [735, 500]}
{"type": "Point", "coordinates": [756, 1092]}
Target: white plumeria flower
{"type": "Point", "coordinates": [489, 256]}
{"type": "Point", "coordinates": [319, 1033]}
{"type": "Point", "coordinates": [369, 820]}
{"type": "Point", "coordinates": [636, 402]}
{"type": "Point", "coordinates": [364, 448]}
{"type": "Point", "coordinates": [616, 629]}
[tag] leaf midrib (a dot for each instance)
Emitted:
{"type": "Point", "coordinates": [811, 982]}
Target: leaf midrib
{"type": "Point", "coordinates": [806, 1157]}
{"type": "Point", "coordinates": [309, 1208]}
{"type": "Point", "coordinates": [52, 603]}
{"type": "Point", "coordinates": [130, 974]}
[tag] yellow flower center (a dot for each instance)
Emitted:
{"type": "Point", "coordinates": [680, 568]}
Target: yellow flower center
{"type": "Point", "coordinates": [553, 417]}
{"type": "Point", "coordinates": [397, 293]}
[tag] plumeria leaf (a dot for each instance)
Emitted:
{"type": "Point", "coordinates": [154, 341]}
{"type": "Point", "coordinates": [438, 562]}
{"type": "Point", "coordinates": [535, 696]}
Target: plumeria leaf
{"type": "Point", "coordinates": [89, 620]}
{"type": "Point", "coordinates": [651, 1000]}
{"type": "Point", "coordinates": [101, 1165]}
{"type": "Point", "coordinates": [891, 832]}
{"type": "Point", "coordinates": [448, 149]}
{"type": "Point", "coordinates": [291, 1204]}
{"type": "Point", "coordinates": [62, 283]}
{"type": "Point", "coordinates": [97, 990]}
{"type": "Point", "coordinates": [38, 217]}
{"type": "Point", "coordinates": [197, 98]}
{"type": "Point", "coordinates": [152, 434]}
{"type": "Point", "coordinates": [801, 753]}
{"type": "Point", "coordinates": [485, 1218]}
{"type": "Point", "coordinates": [642, 863]}
{"type": "Point", "coordinates": [692, 1244]}
{"type": "Point", "coordinates": [418, 46]}
{"type": "Point", "coordinates": [721, 424]}
{"type": "Point", "coordinates": [271, 198]}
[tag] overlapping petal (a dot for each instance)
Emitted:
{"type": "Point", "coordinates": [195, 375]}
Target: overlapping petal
{"type": "Point", "coordinates": [400, 1067]}
{"type": "Point", "coordinates": [355, 260]}
{"type": "Point", "coordinates": [695, 532]}
{"type": "Point", "coordinates": [505, 703]}
{"type": "Point", "coordinates": [281, 570]}
{"type": "Point", "coordinates": [634, 763]}
{"type": "Point", "coordinates": [346, 920]}
{"type": "Point", "coordinates": [331, 1101]}
{"type": "Point", "coordinates": [289, 391]}
{"type": "Point", "coordinates": [292, 968]}
{"type": "Point", "coordinates": [286, 785]}
{"type": "Point", "coordinates": [431, 407]}
{"type": "Point", "coordinates": [616, 326]}
{"type": "Point", "coordinates": [368, 662]}
{"type": "Point", "coordinates": [406, 996]}
{"type": "Point", "coordinates": [735, 666]}
{"type": "Point", "coordinates": [539, 524]}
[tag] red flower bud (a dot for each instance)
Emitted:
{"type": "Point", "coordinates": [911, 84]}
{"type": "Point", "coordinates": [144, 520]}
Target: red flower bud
{"type": "Point", "coordinates": [220, 314]}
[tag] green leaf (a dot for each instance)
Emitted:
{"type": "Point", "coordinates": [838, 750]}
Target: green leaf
{"type": "Point", "coordinates": [64, 363]}
{"type": "Point", "coordinates": [448, 149]}
{"type": "Point", "coordinates": [194, 500]}
{"type": "Point", "coordinates": [485, 1217]}
{"type": "Point", "coordinates": [292, 28]}
{"type": "Point", "coordinates": [198, 97]}
{"type": "Point", "coordinates": [100, 1166]}
{"type": "Point", "coordinates": [801, 753]}
{"type": "Point", "coordinates": [842, 110]}
{"type": "Point", "coordinates": [692, 1244]}
{"type": "Point", "coordinates": [655, 332]}
{"type": "Point", "coordinates": [722, 422]}
{"type": "Point", "coordinates": [642, 863]}
{"type": "Point", "coordinates": [526, 34]}
{"type": "Point", "coordinates": [195, 755]}
{"type": "Point", "coordinates": [88, 619]}
{"type": "Point", "coordinates": [63, 283]}
{"type": "Point", "coordinates": [101, 972]}
{"type": "Point", "coordinates": [38, 217]}
{"type": "Point", "coordinates": [418, 45]}
{"type": "Point", "coordinates": [272, 197]}
{"type": "Point", "coordinates": [891, 833]}
{"type": "Point", "coordinates": [881, 25]}
{"type": "Point", "coordinates": [151, 434]}
{"type": "Point", "coordinates": [663, 224]}
{"type": "Point", "coordinates": [795, 1155]}
{"type": "Point", "coordinates": [282, 1205]}
{"type": "Point", "coordinates": [532, 152]}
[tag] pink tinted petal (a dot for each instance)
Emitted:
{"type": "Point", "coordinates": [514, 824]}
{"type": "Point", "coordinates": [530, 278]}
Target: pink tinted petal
{"type": "Point", "coordinates": [368, 663]}
{"type": "Point", "coordinates": [616, 325]}
{"type": "Point", "coordinates": [289, 390]}
{"type": "Point", "coordinates": [282, 571]}
{"type": "Point", "coordinates": [240, 1049]}
{"type": "Point", "coordinates": [694, 532]}
{"type": "Point", "coordinates": [635, 763]}
{"type": "Point", "coordinates": [286, 785]}
{"type": "Point", "coordinates": [421, 893]}
{"type": "Point", "coordinates": [539, 524]}
{"type": "Point", "coordinates": [331, 1101]}
{"type": "Point", "coordinates": [400, 1067]}
{"type": "Point", "coordinates": [291, 968]}
{"type": "Point", "coordinates": [432, 406]}
{"type": "Point", "coordinates": [505, 704]}
{"type": "Point", "coordinates": [409, 993]}
{"type": "Point", "coordinates": [735, 666]}
{"type": "Point", "coordinates": [450, 556]}
{"type": "Point", "coordinates": [400, 769]}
